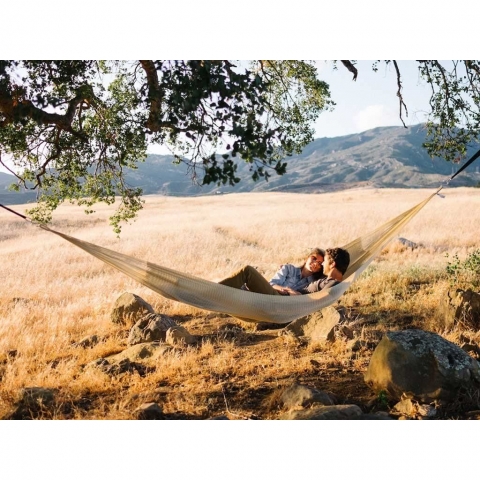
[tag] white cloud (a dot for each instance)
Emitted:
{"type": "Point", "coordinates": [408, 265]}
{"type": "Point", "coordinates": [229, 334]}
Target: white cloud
{"type": "Point", "coordinates": [375, 116]}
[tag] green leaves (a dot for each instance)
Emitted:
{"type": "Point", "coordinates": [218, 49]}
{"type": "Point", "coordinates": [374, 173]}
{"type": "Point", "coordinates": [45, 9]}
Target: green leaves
{"type": "Point", "coordinates": [454, 121]}
{"type": "Point", "coordinates": [464, 273]}
{"type": "Point", "coordinates": [72, 127]}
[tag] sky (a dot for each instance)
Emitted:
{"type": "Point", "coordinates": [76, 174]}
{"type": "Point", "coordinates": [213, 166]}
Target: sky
{"type": "Point", "coordinates": [371, 100]}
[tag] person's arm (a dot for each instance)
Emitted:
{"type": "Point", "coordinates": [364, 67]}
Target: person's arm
{"type": "Point", "coordinates": [280, 278]}
{"type": "Point", "coordinates": [319, 285]}
{"type": "Point", "coordinates": [282, 290]}
{"type": "Point", "coordinates": [289, 291]}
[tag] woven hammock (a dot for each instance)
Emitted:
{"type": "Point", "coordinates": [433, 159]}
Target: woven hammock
{"type": "Point", "coordinates": [246, 305]}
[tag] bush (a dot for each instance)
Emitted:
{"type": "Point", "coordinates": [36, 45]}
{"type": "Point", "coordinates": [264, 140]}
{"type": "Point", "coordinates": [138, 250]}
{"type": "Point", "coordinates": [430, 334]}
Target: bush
{"type": "Point", "coordinates": [466, 272]}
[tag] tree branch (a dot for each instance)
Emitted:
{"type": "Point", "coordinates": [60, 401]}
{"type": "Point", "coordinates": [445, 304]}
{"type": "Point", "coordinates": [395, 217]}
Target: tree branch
{"type": "Point", "coordinates": [14, 107]}
{"type": "Point", "coordinates": [350, 67]}
{"type": "Point", "coordinates": [399, 93]}
{"type": "Point", "coordinates": [154, 96]}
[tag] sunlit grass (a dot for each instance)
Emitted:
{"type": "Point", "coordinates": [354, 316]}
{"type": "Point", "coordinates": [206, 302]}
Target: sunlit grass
{"type": "Point", "coordinates": [53, 294]}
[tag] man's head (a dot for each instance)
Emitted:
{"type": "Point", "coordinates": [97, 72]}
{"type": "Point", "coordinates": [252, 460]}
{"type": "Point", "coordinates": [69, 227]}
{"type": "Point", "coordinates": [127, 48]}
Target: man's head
{"type": "Point", "coordinates": [336, 258]}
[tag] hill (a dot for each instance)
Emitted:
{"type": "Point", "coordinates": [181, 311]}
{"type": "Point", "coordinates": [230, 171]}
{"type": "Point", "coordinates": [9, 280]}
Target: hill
{"type": "Point", "coordinates": [381, 157]}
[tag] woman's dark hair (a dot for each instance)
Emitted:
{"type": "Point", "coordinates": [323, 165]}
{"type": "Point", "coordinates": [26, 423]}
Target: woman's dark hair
{"type": "Point", "coordinates": [341, 258]}
{"type": "Point", "coordinates": [316, 251]}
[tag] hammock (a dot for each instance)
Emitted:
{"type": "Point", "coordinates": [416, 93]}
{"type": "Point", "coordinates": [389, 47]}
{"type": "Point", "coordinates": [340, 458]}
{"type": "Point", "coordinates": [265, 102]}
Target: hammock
{"type": "Point", "coordinates": [246, 305]}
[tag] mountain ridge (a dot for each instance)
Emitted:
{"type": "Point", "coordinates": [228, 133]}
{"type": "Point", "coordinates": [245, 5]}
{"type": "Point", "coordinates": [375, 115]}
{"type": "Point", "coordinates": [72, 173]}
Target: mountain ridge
{"type": "Point", "coordinates": [383, 157]}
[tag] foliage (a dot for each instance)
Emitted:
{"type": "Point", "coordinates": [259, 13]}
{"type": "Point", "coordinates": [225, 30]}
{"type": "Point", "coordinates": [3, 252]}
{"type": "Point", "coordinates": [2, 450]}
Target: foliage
{"type": "Point", "coordinates": [455, 104]}
{"type": "Point", "coordinates": [465, 272]}
{"type": "Point", "coordinates": [73, 127]}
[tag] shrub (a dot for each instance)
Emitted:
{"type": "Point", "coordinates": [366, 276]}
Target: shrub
{"type": "Point", "coordinates": [466, 272]}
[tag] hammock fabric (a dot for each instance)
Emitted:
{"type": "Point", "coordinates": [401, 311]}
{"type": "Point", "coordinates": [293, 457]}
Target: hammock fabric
{"type": "Point", "coordinates": [246, 305]}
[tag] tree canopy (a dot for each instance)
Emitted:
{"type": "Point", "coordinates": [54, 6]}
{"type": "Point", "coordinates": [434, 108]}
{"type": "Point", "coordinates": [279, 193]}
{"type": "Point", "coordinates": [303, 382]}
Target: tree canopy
{"type": "Point", "coordinates": [71, 128]}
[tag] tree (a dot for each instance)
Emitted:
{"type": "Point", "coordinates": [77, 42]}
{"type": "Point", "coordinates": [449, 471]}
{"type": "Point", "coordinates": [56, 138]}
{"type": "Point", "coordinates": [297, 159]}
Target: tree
{"type": "Point", "coordinates": [71, 128]}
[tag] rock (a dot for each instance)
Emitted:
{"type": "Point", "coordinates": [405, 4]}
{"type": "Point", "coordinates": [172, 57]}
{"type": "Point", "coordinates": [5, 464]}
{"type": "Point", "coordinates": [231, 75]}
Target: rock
{"type": "Point", "coordinates": [355, 345]}
{"type": "Point", "coordinates": [140, 352]}
{"type": "Point", "coordinates": [129, 308]}
{"type": "Point", "coordinates": [407, 243]}
{"type": "Point", "coordinates": [124, 366]}
{"type": "Point", "coordinates": [346, 332]}
{"type": "Point", "coordinates": [34, 397]}
{"type": "Point", "coordinates": [412, 409]}
{"type": "Point", "coordinates": [179, 335]}
{"type": "Point", "coordinates": [33, 402]}
{"type": "Point", "coordinates": [405, 407]}
{"type": "Point", "coordinates": [331, 412]}
{"type": "Point", "coordinates": [302, 396]}
{"type": "Point", "coordinates": [462, 306]}
{"type": "Point", "coordinates": [87, 342]}
{"type": "Point", "coordinates": [149, 411]}
{"type": "Point", "coordinates": [316, 327]}
{"type": "Point", "coordinates": [374, 416]}
{"type": "Point", "coordinates": [152, 327]}
{"type": "Point", "coordinates": [119, 367]}
{"type": "Point", "coordinates": [421, 364]}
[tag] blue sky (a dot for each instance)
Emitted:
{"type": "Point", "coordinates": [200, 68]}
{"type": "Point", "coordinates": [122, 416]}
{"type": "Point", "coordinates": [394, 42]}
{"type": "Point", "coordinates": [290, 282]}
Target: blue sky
{"type": "Point", "coordinates": [371, 101]}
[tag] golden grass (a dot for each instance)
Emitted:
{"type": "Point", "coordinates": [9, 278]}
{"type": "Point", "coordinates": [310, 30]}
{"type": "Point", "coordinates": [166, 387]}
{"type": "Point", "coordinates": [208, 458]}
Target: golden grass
{"type": "Point", "coordinates": [53, 294]}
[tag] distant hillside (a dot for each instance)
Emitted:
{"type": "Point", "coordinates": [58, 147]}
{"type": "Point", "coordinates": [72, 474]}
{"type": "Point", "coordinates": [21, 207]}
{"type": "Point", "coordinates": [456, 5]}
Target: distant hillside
{"type": "Point", "coordinates": [382, 157]}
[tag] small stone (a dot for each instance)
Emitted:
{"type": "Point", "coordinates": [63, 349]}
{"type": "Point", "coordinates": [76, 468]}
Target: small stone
{"type": "Point", "coordinates": [405, 407]}
{"type": "Point", "coordinates": [179, 335]}
{"type": "Point", "coordinates": [150, 328]}
{"type": "Point", "coordinates": [37, 396]}
{"type": "Point", "coordinates": [87, 342]}
{"type": "Point", "coordinates": [129, 308]}
{"type": "Point", "coordinates": [149, 411]}
{"type": "Point", "coordinates": [331, 412]}
{"type": "Point", "coordinates": [303, 396]}
{"type": "Point", "coordinates": [315, 327]}
{"type": "Point", "coordinates": [140, 352]}
{"type": "Point", "coordinates": [426, 411]}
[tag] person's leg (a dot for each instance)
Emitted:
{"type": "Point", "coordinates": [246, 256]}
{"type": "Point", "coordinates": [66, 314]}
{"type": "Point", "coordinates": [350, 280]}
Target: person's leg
{"type": "Point", "coordinates": [254, 281]}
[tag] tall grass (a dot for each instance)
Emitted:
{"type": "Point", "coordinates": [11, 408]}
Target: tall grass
{"type": "Point", "coordinates": [53, 294]}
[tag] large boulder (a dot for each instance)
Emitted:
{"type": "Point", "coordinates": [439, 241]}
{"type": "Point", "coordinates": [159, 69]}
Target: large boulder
{"type": "Point", "coordinates": [129, 308]}
{"type": "Point", "coordinates": [152, 327]}
{"type": "Point", "coordinates": [316, 327]}
{"type": "Point", "coordinates": [462, 306]}
{"type": "Point", "coordinates": [423, 365]}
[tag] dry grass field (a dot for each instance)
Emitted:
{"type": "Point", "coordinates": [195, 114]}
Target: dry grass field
{"type": "Point", "coordinates": [53, 294]}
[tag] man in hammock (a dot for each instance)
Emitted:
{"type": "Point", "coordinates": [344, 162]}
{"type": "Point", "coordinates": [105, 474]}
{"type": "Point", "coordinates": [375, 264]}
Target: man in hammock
{"type": "Point", "coordinates": [291, 280]}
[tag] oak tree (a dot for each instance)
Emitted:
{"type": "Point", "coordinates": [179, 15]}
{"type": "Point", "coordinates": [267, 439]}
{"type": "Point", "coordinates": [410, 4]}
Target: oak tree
{"type": "Point", "coordinates": [72, 128]}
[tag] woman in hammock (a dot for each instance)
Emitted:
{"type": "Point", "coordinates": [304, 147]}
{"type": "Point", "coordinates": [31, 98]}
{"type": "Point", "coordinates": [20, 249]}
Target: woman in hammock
{"type": "Point", "coordinates": [291, 280]}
